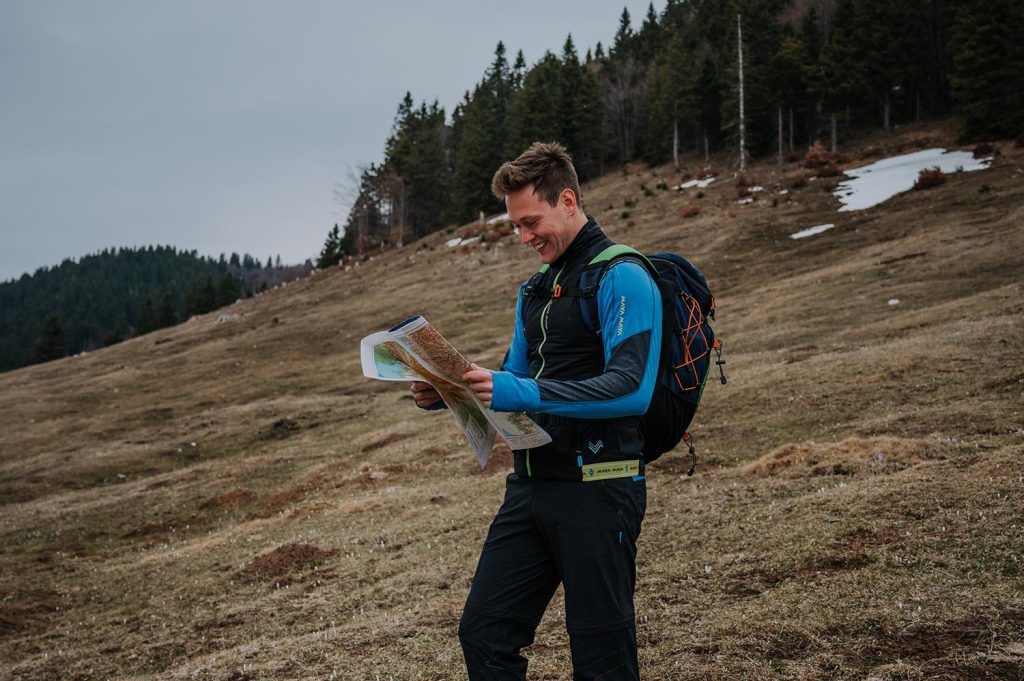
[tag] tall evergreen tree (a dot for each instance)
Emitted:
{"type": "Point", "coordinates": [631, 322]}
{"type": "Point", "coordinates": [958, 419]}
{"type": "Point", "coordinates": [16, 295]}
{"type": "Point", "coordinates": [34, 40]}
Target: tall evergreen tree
{"type": "Point", "coordinates": [167, 314]}
{"type": "Point", "coordinates": [479, 132]}
{"type": "Point", "coordinates": [147, 318]}
{"type": "Point", "coordinates": [227, 290]}
{"type": "Point", "coordinates": [330, 254]}
{"type": "Point", "coordinates": [51, 343]}
{"type": "Point", "coordinates": [988, 75]}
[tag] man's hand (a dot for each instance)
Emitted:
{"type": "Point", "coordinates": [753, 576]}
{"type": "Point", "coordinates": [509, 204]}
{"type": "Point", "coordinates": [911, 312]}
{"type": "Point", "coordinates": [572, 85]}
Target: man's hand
{"type": "Point", "coordinates": [481, 381]}
{"type": "Point", "coordinates": [424, 394]}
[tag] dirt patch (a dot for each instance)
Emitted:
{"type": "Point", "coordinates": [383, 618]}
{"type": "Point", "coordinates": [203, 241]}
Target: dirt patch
{"type": "Point", "coordinates": [385, 441]}
{"type": "Point", "coordinates": [947, 648]}
{"type": "Point", "coordinates": [285, 428]}
{"type": "Point", "coordinates": [277, 502]}
{"type": "Point", "coordinates": [26, 612]}
{"type": "Point", "coordinates": [500, 461]}
{"type": "Point", "coordinates": [58, 551]}
{"type": "Point", "coordinates": [852, 456]}
{"type": "Point", "coordinates": [230, 500]}
{"type": "Point", "coordinates": [285, 560]}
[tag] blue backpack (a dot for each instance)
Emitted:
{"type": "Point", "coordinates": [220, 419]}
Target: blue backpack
{"type": "Point", "coordinates": [687, 342]}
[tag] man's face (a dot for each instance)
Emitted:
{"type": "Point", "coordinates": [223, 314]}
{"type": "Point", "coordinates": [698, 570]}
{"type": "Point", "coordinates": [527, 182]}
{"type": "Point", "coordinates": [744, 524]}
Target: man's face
{"type": "Point", "coordinates": [545, 228]}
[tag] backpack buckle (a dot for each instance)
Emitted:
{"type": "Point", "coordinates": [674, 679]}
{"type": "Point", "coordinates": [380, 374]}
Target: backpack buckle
{"type": "Point", "coordinates": [556, 292]}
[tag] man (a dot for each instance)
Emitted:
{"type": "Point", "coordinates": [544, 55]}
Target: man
{"type": "Point", "coordinates": [573, 508]}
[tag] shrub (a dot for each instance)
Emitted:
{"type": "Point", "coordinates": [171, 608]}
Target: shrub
{"type": "Point", "coordinates": [816, 156]}
{"type": "Point", "coordinates": [798, 182]}
{"type": "Point", "coordinates": [831, 170]}
{"type": "Point", "coordinates": [646, 190]}
{"type": "Point", "coordinates": [691, 211]}
{"type": "Point", "coordinates": [929, 177]}
{"type": "Point", "coordinates": [742, 192]}
{"type": "Point", "coordinates": [700, 195]}
{"type": "Point", "coordinates": [661, 186]}
{"type": "Point", "coordinates": [624, 214]}
{"type": "Point", "coordinates": [983, 149]}
{"type": "Point", "coordinates": [829, 186]}
{"type": "Point", "coordinates": [1019, 142]}
{"type": "Point", "coordinates": [629, 203]}
{"type": "Point", "coordinates": [742, 180]}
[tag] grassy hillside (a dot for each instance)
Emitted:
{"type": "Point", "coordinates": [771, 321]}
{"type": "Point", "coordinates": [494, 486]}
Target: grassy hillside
{"type": "Point", "coordinates": [234, 500]}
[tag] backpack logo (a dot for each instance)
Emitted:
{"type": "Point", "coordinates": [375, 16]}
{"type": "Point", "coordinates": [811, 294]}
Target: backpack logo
{"type": "Point", "coordinates": [595, 447]}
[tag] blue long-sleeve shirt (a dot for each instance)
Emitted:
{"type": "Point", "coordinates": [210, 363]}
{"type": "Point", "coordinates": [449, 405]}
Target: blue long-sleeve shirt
{"type": "Point", "coordinates": [629, 309]}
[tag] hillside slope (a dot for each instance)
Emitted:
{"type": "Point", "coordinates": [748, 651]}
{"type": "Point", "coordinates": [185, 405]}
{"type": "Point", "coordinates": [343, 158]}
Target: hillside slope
{"type": "Point", "coordinates": [234, 500]}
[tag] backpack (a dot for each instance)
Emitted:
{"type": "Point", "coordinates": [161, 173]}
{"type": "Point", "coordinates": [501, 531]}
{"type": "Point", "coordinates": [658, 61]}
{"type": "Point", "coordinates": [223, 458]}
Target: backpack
{"type": "Point", "coordinates": [687, 342]}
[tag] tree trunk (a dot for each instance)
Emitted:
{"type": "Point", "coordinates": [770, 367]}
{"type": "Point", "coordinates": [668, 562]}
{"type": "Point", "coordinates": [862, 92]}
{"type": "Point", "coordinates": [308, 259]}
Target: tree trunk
{"type": "Point", "coordinates": [791, 130]}
{"type": "Point", "coordinates": [885, 111]}
{"type": "Point", "coordinates": [743, 125]}
{"type": "Point", "coordinates": [675, 145]}
{"type": "Point", "coordinates": [834, 140]}
{"type": "Point", "coordinates": [917, 107]}
{"type": "Point", "coordinates": [707, 147]}
{"type": "Point", "coordinates": [781, 138]}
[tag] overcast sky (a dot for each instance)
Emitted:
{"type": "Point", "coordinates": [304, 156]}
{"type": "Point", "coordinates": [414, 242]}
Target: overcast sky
{"type": "Point", "coordinates": [225, 125]}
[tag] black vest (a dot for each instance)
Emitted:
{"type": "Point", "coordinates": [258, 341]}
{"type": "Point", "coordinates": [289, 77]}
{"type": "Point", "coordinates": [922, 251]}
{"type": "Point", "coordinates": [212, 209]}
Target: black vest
{"type": "Point", "coordinates": [561, 345]}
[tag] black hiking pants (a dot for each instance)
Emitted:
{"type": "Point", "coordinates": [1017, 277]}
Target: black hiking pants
{"type": "Point", "coordinates": [580, 534]}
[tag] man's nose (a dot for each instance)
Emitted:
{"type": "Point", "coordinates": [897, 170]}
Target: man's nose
{"type": "Point", "coordinates": [525, 235]}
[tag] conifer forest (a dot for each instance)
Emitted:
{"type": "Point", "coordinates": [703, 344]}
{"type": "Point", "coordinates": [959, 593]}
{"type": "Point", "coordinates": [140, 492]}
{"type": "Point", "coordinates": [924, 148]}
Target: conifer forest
{"type": "Point", "coordinates": [668, 84]}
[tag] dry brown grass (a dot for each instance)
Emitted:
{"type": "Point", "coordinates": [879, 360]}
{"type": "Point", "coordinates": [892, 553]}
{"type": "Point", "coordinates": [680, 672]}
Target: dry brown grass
{"type": "Point", "coordinates": [856, 511]}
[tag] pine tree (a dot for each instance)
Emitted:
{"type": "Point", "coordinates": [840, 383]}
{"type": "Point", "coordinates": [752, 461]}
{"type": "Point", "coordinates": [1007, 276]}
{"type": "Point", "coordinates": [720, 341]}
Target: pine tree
{"type": "Point", "coordinates": [199, 296]}
{"type": "Point", "coordinates": [167, 315]}
{"type": "Point", "coordinates": [51, 343]}
{"type": "Point", "coordinates": [988, 75]}
{"type": "Point", "coordinates": [330, 254]}
{"type": "Point", "coordinates": [147, 318]}
{"type": "Point", "coordinates": [227, 290]}
{"type": "Point", "coordinates": [479, 140]}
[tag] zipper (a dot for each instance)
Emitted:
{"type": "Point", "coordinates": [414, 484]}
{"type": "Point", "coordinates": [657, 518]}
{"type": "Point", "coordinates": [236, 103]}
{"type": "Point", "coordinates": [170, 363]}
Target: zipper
{"type": "Point", "coordinates": [540, 348]}
{"type": "Point", "coordinates": [544, 326]}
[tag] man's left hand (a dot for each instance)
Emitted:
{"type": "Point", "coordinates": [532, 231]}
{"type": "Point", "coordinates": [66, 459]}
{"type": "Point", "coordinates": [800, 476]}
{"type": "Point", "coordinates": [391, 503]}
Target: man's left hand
{"type": "Point", "coordinates": [481, 381]}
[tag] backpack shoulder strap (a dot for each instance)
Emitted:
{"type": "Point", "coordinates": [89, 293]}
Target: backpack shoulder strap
{"type": "Point", "coordinates": [617, 252]}
{"type": "Point", "coordinates": [600, 264]}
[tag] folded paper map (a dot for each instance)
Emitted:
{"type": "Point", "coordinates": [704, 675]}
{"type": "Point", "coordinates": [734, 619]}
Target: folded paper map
{"type": "Point", "coordinates": [415, 351]}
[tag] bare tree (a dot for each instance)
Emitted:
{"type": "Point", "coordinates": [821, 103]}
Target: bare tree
{"type": "Point", "coordinates": [743, 122]}
{"type": "Point", "coordinates": [625, 86]}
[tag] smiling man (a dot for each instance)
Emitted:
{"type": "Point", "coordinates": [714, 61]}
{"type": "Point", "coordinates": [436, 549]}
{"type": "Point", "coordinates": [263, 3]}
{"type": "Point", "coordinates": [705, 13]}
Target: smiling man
{"type": "Point", "coordinates": [583, 361]}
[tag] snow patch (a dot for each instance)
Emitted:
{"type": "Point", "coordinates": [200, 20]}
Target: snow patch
{"type": "Point", "coordinates": [811, 231]}
{"type": "Point", "coordinates": [452, 243]}
{"type": "Point", "coordinates": [498, 218]}
{"type": "Point", "coordinates": [700, 184]}
{"type": "Point", "coordinates": [745, 201]}
{"type": "Point", "coordinates": [894, 301]}
{"type": "Point", "coordinates": [872, 184]}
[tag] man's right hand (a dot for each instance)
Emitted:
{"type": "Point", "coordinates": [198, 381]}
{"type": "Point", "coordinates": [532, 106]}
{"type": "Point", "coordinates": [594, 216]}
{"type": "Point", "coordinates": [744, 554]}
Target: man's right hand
{"type": "Point", "coordinates": [425, 395]}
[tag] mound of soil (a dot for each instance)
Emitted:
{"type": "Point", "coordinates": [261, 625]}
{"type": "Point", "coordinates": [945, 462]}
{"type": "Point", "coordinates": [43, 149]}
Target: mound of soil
{"type": "Point", "coordinates": [229, 500]}
{"type": "Point", "coordinates": [286, 560]}
{"type": "Point", "coordinates": [849, 457]}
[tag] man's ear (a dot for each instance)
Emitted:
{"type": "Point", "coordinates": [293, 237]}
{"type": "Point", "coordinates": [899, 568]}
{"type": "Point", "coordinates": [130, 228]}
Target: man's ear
{"type": "Point", "coordinates": [569, 201]}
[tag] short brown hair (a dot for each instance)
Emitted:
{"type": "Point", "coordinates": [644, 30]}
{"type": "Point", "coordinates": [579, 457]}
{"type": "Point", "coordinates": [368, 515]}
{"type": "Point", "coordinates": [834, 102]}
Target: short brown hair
{"type": "Point", "coordinates": [545, 165]}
